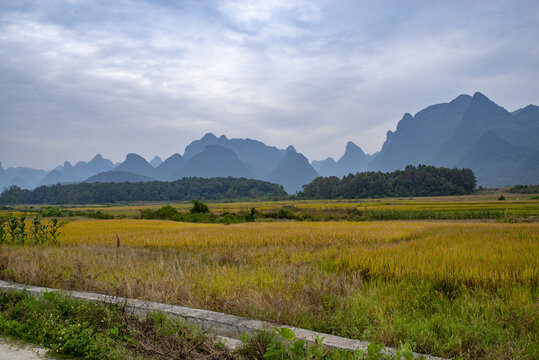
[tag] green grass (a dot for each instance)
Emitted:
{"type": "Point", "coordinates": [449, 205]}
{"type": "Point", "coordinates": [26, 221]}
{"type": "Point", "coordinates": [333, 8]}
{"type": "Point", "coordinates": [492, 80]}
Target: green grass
{"type": "Point", "coordinates": [99, 331]}
{"type": "Point", "coordinates": [89, 330]}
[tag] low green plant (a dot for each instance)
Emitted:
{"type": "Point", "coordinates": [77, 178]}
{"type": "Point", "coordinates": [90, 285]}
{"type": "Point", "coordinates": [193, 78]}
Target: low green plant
{"type": "Point", "coordinates": [97, 331]}
{"type": "Point", "coordinates": [283, 345]}
{"type": "Point", "coordinates": [52, 212]}
{"type": "Point", "coordinates": [14, 231]}
{"type": "Point", "coordinates": [229, 218]}
{"type": "Point", "coordinates": [199, 207]}
{"type": "Point", "coordinates": [99, 215]}
{"type": "Point", "coordinates": [250, 217]}
{"type": "Point", "coordinates": [166, 213]}
{"type": "Point", "coordinates": [285, 213]}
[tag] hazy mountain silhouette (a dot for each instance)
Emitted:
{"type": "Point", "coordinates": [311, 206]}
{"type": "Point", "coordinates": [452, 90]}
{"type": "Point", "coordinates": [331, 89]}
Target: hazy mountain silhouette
{"type": "Point", "coordinates": [529, 172]}
{"type": "Point", "coordinates": [529, 112]}
{"type": "Point", "coordinates": [214, 161]}
{"type": "Point", "coordinates": [483, 115]}
{"type": "Point", "coordinates": [98, 164]}
{"type": "Point", "coordinates": [156, 161]}
{"type": "Point", "coordinates": [354, 160]}
{"type": "Point", "coordinates": [292, 172]}
{"type": "Point", "coordinates": [169, 168]}
{"type": "Point", "coordinates": [65, 175]}
{"type": "Point", "coordinates": [327, 167]}
{"type": "Point", "coordinates": [115, 176]}
{"type": "Point", "coordinates": [54, 177]}
{"type": "Point", "coordinates": [68, 173]}
{"type": "Point", "coordinates": [20, 176]}
{"type": "Point", "coordinates": [495, 161]}
{"type": "Point", "coordinates": [17, 181]}
{"type": "Point", "coordinates": [472, 131]}
{"type": "Point", "coordinates": [468, 130]}
{"type": "Point", "coordinates": [259, 158]}
{"type": "Point", "coordinates": [419, 137]}
{"type": "Point", "coordinates": [135, 164]}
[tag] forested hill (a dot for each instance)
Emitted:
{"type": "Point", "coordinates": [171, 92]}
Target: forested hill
{"type": "Point", "coordinates": [412, 181]}
{"type": "Point", "coordinates": [184, 189]}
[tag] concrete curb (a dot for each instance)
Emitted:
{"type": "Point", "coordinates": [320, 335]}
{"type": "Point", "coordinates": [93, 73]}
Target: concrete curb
{"type": "Point", "coordinates": [223, 325]}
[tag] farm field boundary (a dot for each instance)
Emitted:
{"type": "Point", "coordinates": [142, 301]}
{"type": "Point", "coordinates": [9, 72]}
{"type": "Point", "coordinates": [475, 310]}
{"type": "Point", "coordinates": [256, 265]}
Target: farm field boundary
{"type": "Point", "coordinates": [226, 326]}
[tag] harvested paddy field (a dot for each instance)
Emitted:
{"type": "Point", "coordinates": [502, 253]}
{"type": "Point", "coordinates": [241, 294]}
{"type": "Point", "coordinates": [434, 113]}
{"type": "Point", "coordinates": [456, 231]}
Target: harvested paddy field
{"type": "Point", "coordinates": [449, 288]}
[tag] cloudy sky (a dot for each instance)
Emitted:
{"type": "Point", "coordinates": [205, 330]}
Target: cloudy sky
{"type": "Point", "coordinates": [80, 77]}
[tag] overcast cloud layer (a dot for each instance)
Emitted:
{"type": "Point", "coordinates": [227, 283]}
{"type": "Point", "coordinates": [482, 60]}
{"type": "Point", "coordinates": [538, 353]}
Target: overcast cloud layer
{"type": "Point", "coordinates": [81, 77]}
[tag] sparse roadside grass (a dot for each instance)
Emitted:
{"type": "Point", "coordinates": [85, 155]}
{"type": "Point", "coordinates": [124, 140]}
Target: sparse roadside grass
{"type": "Point", "coordinates": [98, 331]}
{"type": "Point", "coordinates": [448, 289]}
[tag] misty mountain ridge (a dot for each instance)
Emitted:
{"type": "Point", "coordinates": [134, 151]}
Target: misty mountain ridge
{"type": "Point", "coordinates": [168, 169]}
{"type": "Point", "coordinates": [156, 161]}
{"type": "Point", "coordinates": [258, 157]}
{"type": "Point", "coordinates": [214, 161]}
{"type": "Point", "coordinates": [81, 171]}
{"type": "Point", "coordinates": [469, 131]}
{"type": "Point", "coordinates": [293, 171]}
{"type": "Point", "coordinates": [25, 178]}
{"type": "Point", "coordinates": [136, 164]}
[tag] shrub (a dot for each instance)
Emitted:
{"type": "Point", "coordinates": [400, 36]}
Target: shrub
{"type": "Point", "coordinates": [199, 208]}
{"type": "Point", "coordinates": [285, 213]}
{"type": "Point", "coordinates": [250, 217]}
{"type": "Point", "coordinates": [167, 213]}
{"type": "Point", "coordinates": [100, 215]}
{"type": "Point", "coordinates": [52, 212]}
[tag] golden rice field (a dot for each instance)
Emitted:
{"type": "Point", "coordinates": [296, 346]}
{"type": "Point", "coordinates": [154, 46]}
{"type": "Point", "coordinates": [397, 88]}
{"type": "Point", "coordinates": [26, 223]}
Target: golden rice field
{"type": "Point", "coordinates": [453, 289]}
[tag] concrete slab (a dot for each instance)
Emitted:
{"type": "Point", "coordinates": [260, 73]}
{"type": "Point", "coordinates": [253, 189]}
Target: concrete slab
{"type": "Point", "coordinates": [15, 350]}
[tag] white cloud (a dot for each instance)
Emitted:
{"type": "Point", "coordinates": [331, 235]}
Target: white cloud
{"type": "Point", "coordinates": [314, 74]}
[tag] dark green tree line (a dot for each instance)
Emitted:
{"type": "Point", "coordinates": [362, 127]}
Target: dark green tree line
{"type": "Point", "coordinates": [184, 189]}
{"type": "Point", "coordinates": [422, 180]}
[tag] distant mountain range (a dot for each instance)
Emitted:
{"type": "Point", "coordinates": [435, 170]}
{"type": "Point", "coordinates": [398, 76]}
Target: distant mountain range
{"type": "Point", "coordinates": [501, 148]}
{"type": "Point", "coordinates": [471, 131]}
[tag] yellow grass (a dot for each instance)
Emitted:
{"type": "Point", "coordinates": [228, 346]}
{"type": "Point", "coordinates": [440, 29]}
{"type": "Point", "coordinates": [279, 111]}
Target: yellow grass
{"type": "Point", "coordinates": [472, 253]}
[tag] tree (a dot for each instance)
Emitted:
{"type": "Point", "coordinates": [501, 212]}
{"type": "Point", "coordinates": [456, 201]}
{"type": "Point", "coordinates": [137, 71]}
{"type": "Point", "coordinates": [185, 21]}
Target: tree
{"type": "Point", "coordinates": [199, 207]}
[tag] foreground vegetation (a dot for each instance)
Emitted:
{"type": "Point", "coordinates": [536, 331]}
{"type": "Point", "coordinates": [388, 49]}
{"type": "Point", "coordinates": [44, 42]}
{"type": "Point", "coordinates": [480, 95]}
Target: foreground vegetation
{"type": "Point", "coordinates": [14, 230]}
{"type": "Point", "coordinates": [450, 289]}
{"type": "Point", "coordinates": [104, 331]}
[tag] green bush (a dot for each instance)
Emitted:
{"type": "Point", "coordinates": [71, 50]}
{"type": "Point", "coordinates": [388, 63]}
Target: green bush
{"type": "Point", "coordinates": [199, 208]}
{"type": "Point", "coordinates": [229, 218]}
{"type": "Point", "coordinates": [285, 213]}
{"type": "Point", "coordinates": [167, 213]}
{"type": "Point", "coordinates": [52, 212]}
{"type": "Point", "coordinates": [250, 217]}
{"type": "Point", "coordinates": [100, 215]}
